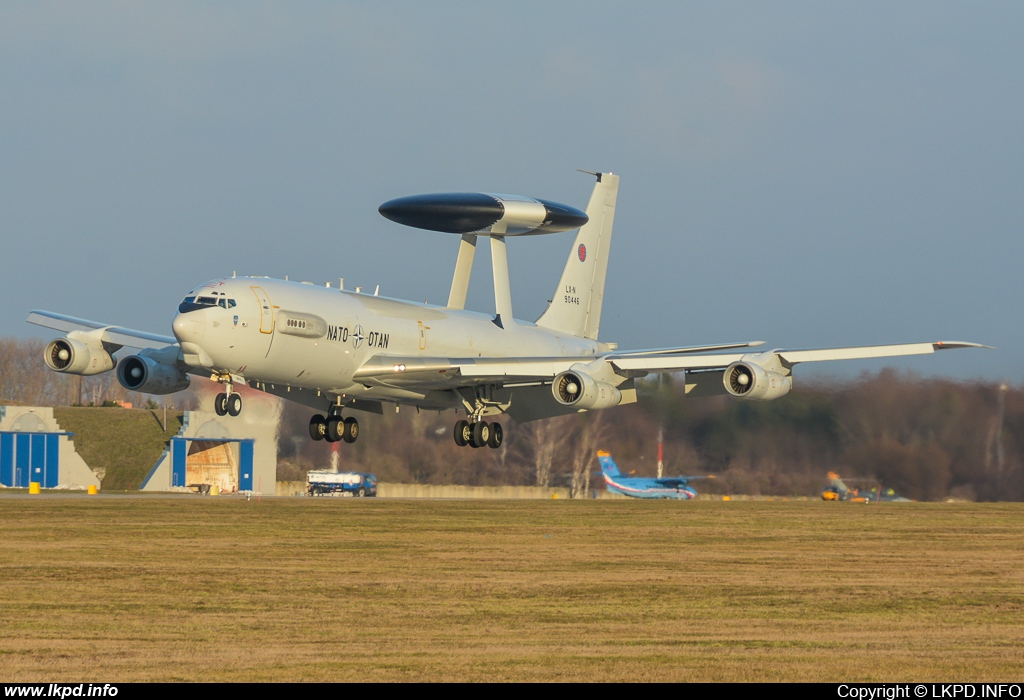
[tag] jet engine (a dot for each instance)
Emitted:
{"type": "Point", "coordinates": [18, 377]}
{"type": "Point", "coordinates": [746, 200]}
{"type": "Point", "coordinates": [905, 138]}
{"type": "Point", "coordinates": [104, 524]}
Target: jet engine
{"type": "Point", "coordinates": [751, 381]}
{"type": "Point", "coordinates": [577, 389]}
{"type": "Point", "coordinates": [72, 356]}
{"type": "Point", "coordinates": [150, 376]}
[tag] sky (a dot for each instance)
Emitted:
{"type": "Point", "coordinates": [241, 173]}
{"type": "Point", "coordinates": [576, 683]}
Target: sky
{"type": "Point", "coordinates": [809, 174]}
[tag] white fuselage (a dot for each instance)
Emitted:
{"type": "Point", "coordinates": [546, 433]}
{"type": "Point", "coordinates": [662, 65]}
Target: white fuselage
{"type": "Point", "coordinates": [301, 335]}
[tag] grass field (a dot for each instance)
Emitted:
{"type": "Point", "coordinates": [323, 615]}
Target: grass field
{"type": "Point", "coordinates": [192, 588]}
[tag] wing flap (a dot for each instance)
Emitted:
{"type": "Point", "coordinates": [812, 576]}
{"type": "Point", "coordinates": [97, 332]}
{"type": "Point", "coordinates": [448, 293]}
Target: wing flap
{"type": "Point", "coordinates": [686, 349]}
{"type": "Point", "coordinates": [662, 363]}
{"type": "Point", "coordinates": [445, 372]}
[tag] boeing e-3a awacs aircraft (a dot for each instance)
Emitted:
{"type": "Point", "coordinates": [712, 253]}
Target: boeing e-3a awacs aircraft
{"type": "Point", "coordinates": [337, 350]}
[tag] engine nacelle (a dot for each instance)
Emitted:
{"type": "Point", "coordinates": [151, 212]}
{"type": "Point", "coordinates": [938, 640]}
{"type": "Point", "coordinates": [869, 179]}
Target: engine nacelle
{"type": "Point", "coordinates": [751, 381]}
{"type": "Point", "coordinates": [577, 389]}
{"type": "Point", "coordinates": [145, 374]}
{"type": "Point", "coordinates": [72, 356]}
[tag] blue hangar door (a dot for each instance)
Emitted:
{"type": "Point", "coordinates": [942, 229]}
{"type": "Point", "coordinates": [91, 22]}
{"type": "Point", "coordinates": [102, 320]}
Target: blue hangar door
{"type": "Point", "coordinates": [27, 457]}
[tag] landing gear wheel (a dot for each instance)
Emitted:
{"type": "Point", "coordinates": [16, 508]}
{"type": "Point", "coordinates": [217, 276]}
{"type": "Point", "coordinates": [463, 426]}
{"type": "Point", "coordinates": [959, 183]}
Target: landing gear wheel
{"type": "Point", "coordinates": [351, 430]}
{"type": "Point", "coordinates": [318, 427]}
{"type": "Point", "coordinates": [462, 433]}
{"type": "Point", "coordinates": [497, 436]}
{"type": "Point", "coordinates": [481, 434]}
{"type": "Point", "coordinates": [234, 404]}
{"type": "Point", "coordinates": [220, 404]}
{"type": "Point", "coordinates": [334, 428]}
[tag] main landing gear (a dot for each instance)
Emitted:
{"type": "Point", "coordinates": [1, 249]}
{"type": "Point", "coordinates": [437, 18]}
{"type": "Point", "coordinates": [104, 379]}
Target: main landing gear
{"type": "Point", "coordinates": [479, 434]}
{"type": "Point", "coordinates": [333, 428]}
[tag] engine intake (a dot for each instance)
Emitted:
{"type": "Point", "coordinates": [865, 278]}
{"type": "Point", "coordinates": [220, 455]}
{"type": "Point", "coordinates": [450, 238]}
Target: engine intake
{"type": "Point", "coordinates": [72, 356]}
{"type": "Point", "coordinates": [145, 374]}
{"type": "Point", "coordinates": [747, 380]}
{"type": "Point", "coordinates": [574, 388]}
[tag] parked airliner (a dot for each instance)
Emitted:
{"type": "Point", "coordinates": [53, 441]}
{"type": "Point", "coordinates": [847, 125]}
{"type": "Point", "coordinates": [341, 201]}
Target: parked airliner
{"type": "Point", "coordinates": [339, 351]}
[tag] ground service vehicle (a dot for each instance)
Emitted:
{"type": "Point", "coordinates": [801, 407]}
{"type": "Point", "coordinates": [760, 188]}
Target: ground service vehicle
{"type": "Point", "coordinates": [319, 483]}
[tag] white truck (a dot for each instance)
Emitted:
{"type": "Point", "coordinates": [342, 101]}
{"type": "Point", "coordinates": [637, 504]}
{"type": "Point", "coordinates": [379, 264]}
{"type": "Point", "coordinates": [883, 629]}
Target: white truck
{"type": "Point", "coordinates": [319, 483]}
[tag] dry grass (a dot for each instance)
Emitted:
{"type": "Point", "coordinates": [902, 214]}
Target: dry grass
{"type": "Point", "coordinates": [191, 588]}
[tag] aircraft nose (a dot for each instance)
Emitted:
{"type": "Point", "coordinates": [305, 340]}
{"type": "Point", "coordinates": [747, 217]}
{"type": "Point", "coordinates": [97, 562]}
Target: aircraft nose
{"type": "Point", "coordinates": [189, 327]}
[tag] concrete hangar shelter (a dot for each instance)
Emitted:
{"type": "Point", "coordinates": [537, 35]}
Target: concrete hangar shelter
{"type": "Point", "coordinates": [234, 455]}
{"type": "Point", "coordinates": [33, 448]}
{"type": "Point", "coordinates": [209, 450]}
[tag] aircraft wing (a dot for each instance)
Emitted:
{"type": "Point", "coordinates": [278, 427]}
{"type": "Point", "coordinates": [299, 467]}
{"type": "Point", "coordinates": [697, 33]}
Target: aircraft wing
{"type": "Point", "coordinates": [672, 483]}
{"type": "Point", "coordinates": [442, 372]}
{"type": "Point", "coordinates": [113, 335]}
{"type": "Point", "coordinates": [788, 357]}
{"type": "Point", "coordinates": [675, 482]}
{"type": "Point", "coordinates": [792, 357]}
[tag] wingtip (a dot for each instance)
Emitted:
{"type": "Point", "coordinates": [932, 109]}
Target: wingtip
{"type": "Point", "coordinates": [955, 344]}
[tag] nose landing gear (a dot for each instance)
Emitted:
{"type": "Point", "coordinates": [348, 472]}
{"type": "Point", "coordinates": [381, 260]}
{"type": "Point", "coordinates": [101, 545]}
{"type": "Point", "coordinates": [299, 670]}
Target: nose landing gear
{"type": "Point", "coordinates": [225, 404]}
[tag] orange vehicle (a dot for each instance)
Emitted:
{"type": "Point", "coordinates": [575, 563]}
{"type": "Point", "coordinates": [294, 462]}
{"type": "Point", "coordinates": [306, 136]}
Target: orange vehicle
{"type": "Point", "coordinates": [837, 490]}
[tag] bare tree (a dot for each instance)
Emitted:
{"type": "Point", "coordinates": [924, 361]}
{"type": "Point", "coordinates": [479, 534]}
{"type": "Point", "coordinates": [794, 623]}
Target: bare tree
{"type": "Point", "coordinates": [542, 437]}
{"type": "Point", "coordinates": [589, 426]}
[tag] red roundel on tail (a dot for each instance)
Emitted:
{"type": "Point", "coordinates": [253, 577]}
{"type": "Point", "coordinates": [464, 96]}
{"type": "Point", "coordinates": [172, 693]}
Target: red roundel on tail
{"type": "Point", "coordinates": [583, 252]}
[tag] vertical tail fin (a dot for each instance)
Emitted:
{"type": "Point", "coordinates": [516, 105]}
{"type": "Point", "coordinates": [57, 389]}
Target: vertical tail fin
{"type": "Point", "coordinates": [608, 466]}
{"type": "Point", "coordinates": [575, 307]}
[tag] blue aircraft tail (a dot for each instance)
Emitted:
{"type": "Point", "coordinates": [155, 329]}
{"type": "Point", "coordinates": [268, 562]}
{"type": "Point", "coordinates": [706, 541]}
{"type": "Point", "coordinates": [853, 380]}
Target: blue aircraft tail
{"type": "Point", "coordinates": [608, 466]}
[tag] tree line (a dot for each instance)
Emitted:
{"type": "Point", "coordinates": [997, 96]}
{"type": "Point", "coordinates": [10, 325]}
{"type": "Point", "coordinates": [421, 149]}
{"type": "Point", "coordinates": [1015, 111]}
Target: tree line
{"type": "Point", "coordinates": [927, 438]}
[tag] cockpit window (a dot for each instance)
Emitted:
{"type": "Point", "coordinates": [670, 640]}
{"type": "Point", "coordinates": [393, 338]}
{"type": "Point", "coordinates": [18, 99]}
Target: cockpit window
{"type": "Point", "coordinates": [193, 303]}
